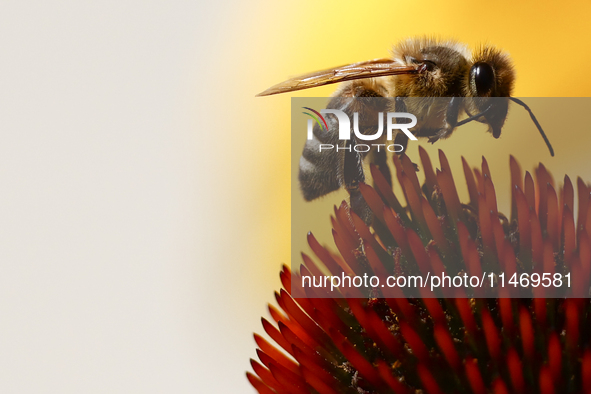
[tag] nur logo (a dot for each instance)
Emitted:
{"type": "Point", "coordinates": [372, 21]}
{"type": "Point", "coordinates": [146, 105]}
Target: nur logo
{"type": "Point", "coordinates": [345, 124]}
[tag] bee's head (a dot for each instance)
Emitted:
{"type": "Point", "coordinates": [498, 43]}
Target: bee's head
{"type": "Point", "coordinates": [491, 76]}
{"type": "Point", "coordinates": [488, 87]}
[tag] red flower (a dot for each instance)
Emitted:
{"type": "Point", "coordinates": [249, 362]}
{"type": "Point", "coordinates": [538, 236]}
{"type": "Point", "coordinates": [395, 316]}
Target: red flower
{"type": "Point", "coordinates": [330, 345]}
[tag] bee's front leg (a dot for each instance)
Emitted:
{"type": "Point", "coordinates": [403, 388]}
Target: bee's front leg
{"type": "Point", "coordinates": [451, 120]}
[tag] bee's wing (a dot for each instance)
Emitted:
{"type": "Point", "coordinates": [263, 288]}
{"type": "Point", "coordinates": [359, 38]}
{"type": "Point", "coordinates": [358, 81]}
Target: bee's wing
{"type": "Point", "coordinates": [369, 69]}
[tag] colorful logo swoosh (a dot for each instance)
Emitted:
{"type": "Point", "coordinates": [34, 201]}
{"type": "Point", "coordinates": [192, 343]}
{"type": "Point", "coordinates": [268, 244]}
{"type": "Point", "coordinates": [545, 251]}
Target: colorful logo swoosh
{"type": "Point", "coordinates": [316, 118]}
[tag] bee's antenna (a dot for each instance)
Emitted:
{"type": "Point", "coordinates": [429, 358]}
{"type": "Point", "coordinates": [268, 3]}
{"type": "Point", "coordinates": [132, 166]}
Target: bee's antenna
{"type": "Point", "coordinates": [524, 105]}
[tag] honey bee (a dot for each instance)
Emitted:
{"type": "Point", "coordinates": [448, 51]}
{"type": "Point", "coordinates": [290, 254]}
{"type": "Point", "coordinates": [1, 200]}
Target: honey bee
{"type": "Point", "coordinates": [420, 73]}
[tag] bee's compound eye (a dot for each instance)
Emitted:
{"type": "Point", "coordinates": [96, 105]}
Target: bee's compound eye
{"type": "Point", "coordinates": [482, 77]}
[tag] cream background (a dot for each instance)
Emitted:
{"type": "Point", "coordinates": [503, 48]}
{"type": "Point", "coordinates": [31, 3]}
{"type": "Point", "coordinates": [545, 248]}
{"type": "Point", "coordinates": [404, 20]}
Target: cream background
{"type": "Point", "coordinates": [141, 226]}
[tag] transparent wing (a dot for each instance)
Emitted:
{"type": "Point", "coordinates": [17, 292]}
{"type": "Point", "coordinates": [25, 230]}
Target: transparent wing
{"type": "Point", "coordinates": [369, 69]}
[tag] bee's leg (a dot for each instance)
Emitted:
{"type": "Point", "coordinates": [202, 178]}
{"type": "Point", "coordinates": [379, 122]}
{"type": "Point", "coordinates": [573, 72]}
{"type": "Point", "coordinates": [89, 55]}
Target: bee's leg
{"type": "Point", "coordinates": [453, 112]}
{"type": "Point", "coordinates": [451, 120]}
{"type": "Point", "coordinates": [353, 175]}
{"type": "Point", "coordinates": [366, 103]}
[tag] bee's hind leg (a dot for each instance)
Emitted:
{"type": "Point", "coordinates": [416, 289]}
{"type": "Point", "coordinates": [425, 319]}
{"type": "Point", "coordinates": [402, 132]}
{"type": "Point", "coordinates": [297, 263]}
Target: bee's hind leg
{"type": "Point", "coordinates": [353, 175]}
{"type": "Point", "coordinates": [366, 101]}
